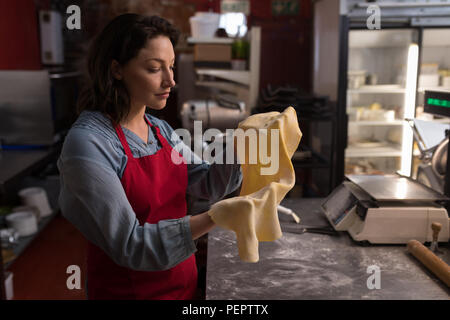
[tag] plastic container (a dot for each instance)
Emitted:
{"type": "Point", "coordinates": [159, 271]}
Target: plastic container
{"type": "Point", "coordinates": [204, 24]}
{"type": "Point", "coordinates": [429, 80]}
{"type": "Point", "coordinates": [446, 82]}
{"type": "Point", "coordinates": [429, 68]}
{"type": "Point", "coordinates": [356, 78]}
{"type": "Point", "coordinates": [205, 14]}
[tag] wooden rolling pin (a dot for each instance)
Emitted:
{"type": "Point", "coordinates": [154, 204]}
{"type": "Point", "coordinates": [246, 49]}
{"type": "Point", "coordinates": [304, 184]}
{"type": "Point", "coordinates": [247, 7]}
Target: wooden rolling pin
{"type": "Point", "coordinates": [430, 260]}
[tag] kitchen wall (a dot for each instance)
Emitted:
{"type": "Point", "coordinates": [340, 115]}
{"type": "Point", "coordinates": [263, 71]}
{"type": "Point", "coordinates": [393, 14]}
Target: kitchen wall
{"type": "Point", "coordinates": [286, 51]}
{"type": "Point", "coordinates": [286, 40]}
{"type": "Point", "coordinates": [286, 55]}
{"type": "Point", "coordinates": [19, 36]}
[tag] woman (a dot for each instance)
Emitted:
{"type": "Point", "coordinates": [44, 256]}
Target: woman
{"type": "Point", "coordinates": [119, 186]}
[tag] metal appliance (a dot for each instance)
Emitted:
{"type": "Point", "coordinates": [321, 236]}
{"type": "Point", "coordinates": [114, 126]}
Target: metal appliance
{"type": "Point", "coordinates": [40, 110]}
{"type": "Point", "coordinates": [25, 108]}
{"type": "Point", "coordinates": [432, 141]}
{"type": "Point", "coordinates": [386, 209]}
{"type": "Point", "coordinates": [222, 112]}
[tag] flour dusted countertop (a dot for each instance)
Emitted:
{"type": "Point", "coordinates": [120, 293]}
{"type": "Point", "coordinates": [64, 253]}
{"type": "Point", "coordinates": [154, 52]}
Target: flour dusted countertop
{"type": "Point", "coordinates": [317, 266]}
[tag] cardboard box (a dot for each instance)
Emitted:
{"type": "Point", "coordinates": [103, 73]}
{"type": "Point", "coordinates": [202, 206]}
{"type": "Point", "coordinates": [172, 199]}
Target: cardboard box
{"type": "Point", "coordinates": [212, 52]}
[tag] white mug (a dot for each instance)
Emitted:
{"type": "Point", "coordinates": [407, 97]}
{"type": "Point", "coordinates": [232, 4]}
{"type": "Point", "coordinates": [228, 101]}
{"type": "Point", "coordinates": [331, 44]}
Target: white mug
{"type": "Point", "coordinates": [24, 222]}
{"type": "Point", "coordinates": [36, 197]}
{"type": "Point", "coordinates": [33, 209]}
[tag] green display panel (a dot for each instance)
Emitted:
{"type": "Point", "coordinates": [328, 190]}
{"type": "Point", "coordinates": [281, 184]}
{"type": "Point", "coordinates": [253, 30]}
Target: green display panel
{"type": "Point", "coordinates": [437, 102]}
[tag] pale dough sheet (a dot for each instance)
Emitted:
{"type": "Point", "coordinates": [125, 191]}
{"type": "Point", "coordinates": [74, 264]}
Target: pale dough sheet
{"type": "Point", "coordinates": [253, 214]}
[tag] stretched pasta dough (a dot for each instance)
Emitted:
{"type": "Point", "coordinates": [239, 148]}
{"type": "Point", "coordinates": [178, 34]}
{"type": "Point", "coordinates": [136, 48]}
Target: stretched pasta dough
{"type": "Point", "coordinates": [253, 214]}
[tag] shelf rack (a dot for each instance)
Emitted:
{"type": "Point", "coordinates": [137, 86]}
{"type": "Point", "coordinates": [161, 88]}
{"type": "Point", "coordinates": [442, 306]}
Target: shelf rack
{"type": "Point", "coordinates": [17, 164]}
{"type": "Point", "coordinates": [243, 83]}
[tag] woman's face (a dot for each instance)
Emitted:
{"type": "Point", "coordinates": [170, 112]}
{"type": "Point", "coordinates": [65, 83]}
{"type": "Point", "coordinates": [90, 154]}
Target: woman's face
{"type": "Point", "coordinates": [148, 77]}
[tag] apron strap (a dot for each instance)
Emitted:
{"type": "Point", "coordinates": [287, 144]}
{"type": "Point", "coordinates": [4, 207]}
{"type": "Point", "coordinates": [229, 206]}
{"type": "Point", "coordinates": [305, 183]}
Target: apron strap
{"type": "Point", "coordinates": [123, 141]}
{"type": "Point", "coordinates": [157, 133]}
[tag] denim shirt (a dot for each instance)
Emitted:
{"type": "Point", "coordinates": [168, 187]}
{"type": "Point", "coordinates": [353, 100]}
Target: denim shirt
{"type": "Point", "coordinates": [92, 198]}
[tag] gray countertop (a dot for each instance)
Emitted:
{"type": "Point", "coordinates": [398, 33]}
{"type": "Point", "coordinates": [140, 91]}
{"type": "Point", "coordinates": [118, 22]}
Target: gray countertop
{"type": "Point", "coordinates": [316, 266]}
{"type": "Point", "coordinates": [15, 164]}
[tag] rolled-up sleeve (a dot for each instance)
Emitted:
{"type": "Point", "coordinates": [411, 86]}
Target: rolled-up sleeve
{"type": "Point", "coordinates": [93, 200]}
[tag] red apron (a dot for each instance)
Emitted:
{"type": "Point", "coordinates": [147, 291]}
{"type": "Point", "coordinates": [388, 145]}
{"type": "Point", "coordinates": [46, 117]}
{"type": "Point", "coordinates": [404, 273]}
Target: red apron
{"type": "Point", "coordinates": [156, 189]}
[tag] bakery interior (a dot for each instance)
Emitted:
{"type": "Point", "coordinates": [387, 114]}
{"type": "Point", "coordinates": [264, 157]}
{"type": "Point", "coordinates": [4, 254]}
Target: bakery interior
{"type": "Point", "coordinates": [369, 82]}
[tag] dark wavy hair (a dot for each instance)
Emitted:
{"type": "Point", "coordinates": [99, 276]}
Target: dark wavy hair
{"type": "Point", "coordinates": [121, 40]}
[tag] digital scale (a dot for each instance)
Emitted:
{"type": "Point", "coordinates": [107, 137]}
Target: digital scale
{"type": "Point", "coordinates": [392, 208]}
{"type": "Point", "coordinates": [387, 209]}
